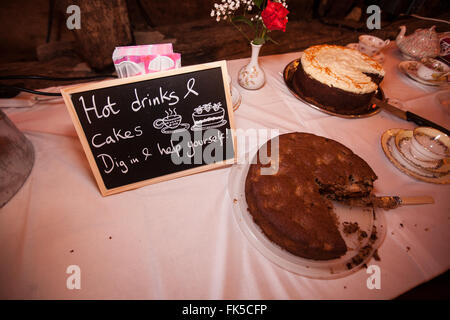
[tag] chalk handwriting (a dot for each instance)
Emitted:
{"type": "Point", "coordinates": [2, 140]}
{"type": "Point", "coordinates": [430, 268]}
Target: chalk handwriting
{"type": "Point", "coordinates": [98, 140]}
{"type": "Point", "coordinates": [106, 111]}
{"type": "Point", "coordinates": [110, 163]}
{"type": "Point", "coordinates": [190, 85]}
{"type": "Point", "coordinates": [147, 101]}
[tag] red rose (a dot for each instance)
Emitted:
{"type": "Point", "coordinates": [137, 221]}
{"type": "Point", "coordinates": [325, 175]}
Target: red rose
{"type": "Point", "coordinates": [274, 16]}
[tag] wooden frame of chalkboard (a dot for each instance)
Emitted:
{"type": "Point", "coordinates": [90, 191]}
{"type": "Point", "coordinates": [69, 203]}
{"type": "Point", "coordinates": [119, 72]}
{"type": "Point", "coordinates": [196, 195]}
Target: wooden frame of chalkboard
{"type": "Point", "coordinates": [124, 125]}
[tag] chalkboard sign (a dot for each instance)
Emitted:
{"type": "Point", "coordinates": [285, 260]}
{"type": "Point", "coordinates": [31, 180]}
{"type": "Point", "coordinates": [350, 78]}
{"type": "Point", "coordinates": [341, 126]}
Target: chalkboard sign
{"type": "Point", "coordinates": [155, 127]}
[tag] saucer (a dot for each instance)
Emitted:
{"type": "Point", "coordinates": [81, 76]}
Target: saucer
{"type": "Point", "coordinates": [395, 157]}
{"type": "Point", "coordinates": [181, 127]}
{"type": "Point", "coordinates": [403, 144]}
{"type": "Point", "coordinates": [235, 97]}
{"type": "Point", "coordinates": [410, 69]}
{"type": "Point", "coordinates": [379, 57]}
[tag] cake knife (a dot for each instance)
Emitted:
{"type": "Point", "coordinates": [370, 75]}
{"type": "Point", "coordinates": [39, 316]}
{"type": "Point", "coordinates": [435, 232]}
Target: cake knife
{"type": "Point", "coordinates": [402, 201]}
{"type": "Point", "coordinates": [389, 202]}
{"type": "Point", "coordinates": [408, 116]}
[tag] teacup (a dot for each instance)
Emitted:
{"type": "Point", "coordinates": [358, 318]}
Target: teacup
{"type": "Point", "coordinates": [170, 122]}
{"type": "Point", "coordinates": [430, 145]}
{"type": "Point", "coordinates": [432, 69]}
{"type": "Point", "coordinates": [371, 45]}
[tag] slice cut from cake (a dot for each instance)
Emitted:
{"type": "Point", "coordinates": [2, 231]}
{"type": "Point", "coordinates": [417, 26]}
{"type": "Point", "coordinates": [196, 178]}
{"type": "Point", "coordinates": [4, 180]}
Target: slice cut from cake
{"type": "Point", "coordinates": [292, 207]}
{"type": "Point", "coordinates": [338, 78]}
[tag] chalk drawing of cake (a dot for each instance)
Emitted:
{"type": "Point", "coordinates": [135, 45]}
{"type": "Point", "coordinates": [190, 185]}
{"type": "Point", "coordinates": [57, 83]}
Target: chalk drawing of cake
{"type": "Point", "coordinates": [208, 116]}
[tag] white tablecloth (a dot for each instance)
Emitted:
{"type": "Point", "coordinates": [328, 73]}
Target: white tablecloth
{"type": "Point", "coordinates": [178, 239]}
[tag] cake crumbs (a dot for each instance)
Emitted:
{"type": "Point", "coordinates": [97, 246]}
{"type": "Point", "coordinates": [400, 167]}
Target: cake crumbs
{"type": "Point", "coordinates": [407, 249]}
{"type": "Point", "coordinates": [350, 227]}
{"type": "Point", "coordinates": [365, 251]}
{"type": "Point", "coordinates": [376, 256]}
{"type": "Point", "coordinates": [401, 225]}
{"type": "Point", "coordinates": [235, 200]}
{"type": "Point", "coordinates": [362, 235]}
{"type": "Point", "coordinates": [426, 229]}
{"type": "Point", "coordinates": [110, 237]}
{"type": "Point", "coordinates": [71, 251]}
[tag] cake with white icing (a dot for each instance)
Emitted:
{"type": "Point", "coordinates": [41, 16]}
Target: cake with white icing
{"type": "Point", "coordinates": [340, 79]}
{"type": "Point", "coordinates": [208, 115]}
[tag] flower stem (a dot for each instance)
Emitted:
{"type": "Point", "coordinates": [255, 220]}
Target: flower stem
{"type": "Point", "coordinates": [263, 35]}
{"type": "Point", "coordinates": [240, 30]}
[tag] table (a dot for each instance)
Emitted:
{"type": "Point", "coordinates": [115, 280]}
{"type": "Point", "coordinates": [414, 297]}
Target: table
{"type": "Point", "coordinates": [150, 244]}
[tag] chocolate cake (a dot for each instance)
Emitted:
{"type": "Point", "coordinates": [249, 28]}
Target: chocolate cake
{"type": "Point", "coordinates": [293, 207]}
{"type": "Point", "coordinates": [339, 79]}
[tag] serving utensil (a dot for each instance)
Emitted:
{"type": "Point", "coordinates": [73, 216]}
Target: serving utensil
{"type": "Point", "coordinates": [389, 202]}
{"type": "Point", "coordinates": [408, 116]}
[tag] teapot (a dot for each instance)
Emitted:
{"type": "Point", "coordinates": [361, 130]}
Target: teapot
{"type": "Point", "coordinates": [423, 43]}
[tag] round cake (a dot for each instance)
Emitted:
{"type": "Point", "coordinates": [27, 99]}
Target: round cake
{"type": "Point", "coordinates": [337, 78]}
{"type": "Point", "coordinates": [293, 206]}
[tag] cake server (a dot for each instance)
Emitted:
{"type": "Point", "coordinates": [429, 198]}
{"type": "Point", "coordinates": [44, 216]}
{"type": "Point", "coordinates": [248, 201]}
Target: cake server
{"type": "Point", "coordinates": [402, 201]}
{"type": "Point", "coordinates": [408, 116]}
{"type": "Point", "coordinates": [389, 202]}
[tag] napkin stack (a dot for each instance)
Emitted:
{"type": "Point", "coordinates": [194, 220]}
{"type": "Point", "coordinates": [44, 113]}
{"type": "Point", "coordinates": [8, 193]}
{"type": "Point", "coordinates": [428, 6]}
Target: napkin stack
{"type": "Point", "coordinates": [136, 60]}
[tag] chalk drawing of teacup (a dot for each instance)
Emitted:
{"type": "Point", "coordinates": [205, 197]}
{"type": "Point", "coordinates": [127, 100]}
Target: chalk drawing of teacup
{"type": "Point", "coordinates": [170, 122]}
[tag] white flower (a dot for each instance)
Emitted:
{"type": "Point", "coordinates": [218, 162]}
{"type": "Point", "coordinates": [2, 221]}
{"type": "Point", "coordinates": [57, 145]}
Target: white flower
{"type": "Point", "coordinates": [218, 19]}
{"type": "Point", "coordinates": [212, 13]}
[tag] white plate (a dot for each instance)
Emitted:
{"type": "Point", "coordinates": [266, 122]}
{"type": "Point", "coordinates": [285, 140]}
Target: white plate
{"type": "Point", "coordinates": [391, 152]}
{"type": "Point", "coordinates": [367, 218]}
{"type": "Point", "coordinates": [410, 69]}
{"type": "Point", "coordinates": [235, 97]}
